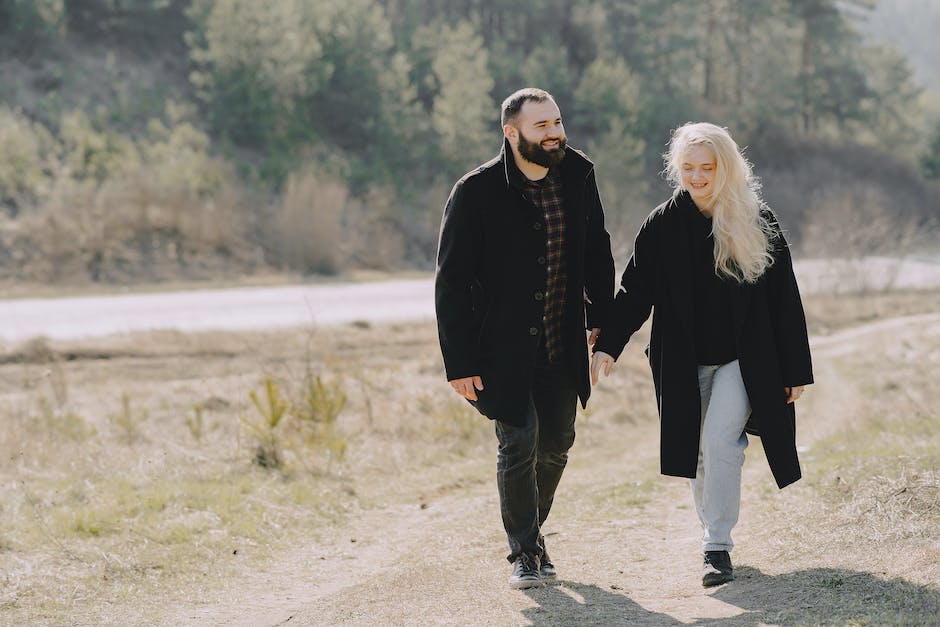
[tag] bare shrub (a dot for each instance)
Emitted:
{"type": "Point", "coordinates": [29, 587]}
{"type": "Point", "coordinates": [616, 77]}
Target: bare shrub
{"type": "Point", "coordinates": [799, 170]}
{"type": "Point", "coordinates": [855, 221]}
{"type": "Point", "coordinates": [308, 223]}
{"type": "Point", "coordinates": [120, 211]}
{"type": "Point", "coordinates": [421, 221]}
{"type": "Point", "coordinates": [375, 238]}
{"type": "Point", "coordinates": [847, 224]}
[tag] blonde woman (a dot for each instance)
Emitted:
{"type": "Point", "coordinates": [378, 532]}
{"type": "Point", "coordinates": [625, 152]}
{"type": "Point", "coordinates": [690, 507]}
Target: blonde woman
{"type": "Point", "coordinates": [728, 346]}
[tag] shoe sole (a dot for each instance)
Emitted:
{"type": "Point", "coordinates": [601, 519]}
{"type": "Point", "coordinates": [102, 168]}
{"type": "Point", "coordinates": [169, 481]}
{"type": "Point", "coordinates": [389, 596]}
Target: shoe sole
{"type": "Point", "coordinates": [525, 584]}
{"type": "Point", "coordinates": [717, 581]}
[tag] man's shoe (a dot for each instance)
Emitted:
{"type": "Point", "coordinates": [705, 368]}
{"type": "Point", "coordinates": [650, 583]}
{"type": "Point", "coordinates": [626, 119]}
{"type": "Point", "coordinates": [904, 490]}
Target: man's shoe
{"type": "Point", "coordinates": [525, 572]}
{"type": "Point", "coordinates": [718, 569]}
{"type": "Point", "coordinates": [546, 568]}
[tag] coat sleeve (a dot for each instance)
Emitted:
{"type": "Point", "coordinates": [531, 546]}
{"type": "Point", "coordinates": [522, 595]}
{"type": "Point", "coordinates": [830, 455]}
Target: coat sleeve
{"type": "Point", "coordinates": [598, 262]}
{"type": "Point", "coordinates": [459, 247]}
{"type": "Point", "coordinates": [634, 300]}
{"type": "Point", "coordinates": [786, 313]}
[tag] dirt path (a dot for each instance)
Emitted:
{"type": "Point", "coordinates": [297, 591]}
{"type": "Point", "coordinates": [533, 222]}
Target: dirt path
{"type": "Point", "coordinates": [624, 539]}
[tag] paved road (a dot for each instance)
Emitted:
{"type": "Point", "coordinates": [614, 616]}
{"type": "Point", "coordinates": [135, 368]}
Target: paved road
{"type": "Point", "coordinates": [227, 309]}
{"type": "Point", "coordinates": [385, 301]}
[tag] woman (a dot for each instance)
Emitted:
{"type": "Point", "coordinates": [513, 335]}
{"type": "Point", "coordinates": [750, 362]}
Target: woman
{"type": "Point", "coordinates": [728, 341]}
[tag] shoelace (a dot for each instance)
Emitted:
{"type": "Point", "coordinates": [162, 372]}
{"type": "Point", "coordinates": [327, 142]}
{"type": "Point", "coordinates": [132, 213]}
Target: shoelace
{"type": "Point", "coordinates": [527, 562]}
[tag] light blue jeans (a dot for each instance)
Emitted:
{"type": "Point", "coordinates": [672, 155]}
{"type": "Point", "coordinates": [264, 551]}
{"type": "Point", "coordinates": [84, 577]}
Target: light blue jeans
{"type": "Point", "coordinates": [716, 488]}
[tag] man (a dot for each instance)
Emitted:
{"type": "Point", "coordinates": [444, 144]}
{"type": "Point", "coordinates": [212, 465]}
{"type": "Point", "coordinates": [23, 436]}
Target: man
{"type": "Point", "coordinates": [524, 266]}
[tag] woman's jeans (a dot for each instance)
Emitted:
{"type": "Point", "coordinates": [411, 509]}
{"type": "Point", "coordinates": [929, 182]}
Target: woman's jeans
{"type": "Point", "coordinates": [532, 458]}
{"type": "Point", "coordinates": [716, 488]}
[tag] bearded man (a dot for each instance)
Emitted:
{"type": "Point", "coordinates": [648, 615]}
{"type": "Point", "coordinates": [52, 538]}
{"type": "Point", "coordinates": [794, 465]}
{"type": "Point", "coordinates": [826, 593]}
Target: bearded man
{"type": "Point", "coordinates": [524, 270]}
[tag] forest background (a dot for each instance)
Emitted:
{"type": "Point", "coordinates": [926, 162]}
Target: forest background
{"type": "Point", "coordinates": [154, 140]}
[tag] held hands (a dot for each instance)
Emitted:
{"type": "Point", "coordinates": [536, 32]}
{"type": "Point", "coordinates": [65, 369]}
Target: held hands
{"type": "Point", "coordinates": [592, 338]}
{"type": "Point", "coordinates": [600, 362]}
{"type": "Point", "coordinates": [793, 393]}
{"type": "Point", "coordinates": [467, 387]}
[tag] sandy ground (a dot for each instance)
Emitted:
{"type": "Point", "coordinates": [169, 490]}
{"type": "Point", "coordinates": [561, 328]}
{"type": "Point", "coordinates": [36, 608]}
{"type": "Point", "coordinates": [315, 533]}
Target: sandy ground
{"type": "Point", "coordinates": [625, 541]}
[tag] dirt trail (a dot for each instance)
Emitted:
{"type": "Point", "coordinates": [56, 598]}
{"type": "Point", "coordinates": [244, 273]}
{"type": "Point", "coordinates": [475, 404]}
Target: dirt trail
{"type": "Point", "coordinates": [633, 564]}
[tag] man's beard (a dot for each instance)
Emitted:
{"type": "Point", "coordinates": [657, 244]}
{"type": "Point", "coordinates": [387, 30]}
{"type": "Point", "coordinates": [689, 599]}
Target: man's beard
{"type": "Point", "coordinates": [533, 151]}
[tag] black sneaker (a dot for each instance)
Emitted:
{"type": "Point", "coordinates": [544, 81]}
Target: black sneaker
{"type": "Point", "coordinates": [525, 572]}
{"type": "Point", "coordinates": [546, 568]}
{"type": "Point", "coordinates": [718, 569]}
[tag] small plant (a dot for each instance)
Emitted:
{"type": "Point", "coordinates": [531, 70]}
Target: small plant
{"type": "Point", "coordinates": [271, 409]}
{"type": "Point", "coordinates": [196, 423]}
{"type": "Point", "coordinates": [322, 404]}
{"type": "Point", "coordinates": [66, 423]}
{"type": "Point", "coordinates": [127, 420]}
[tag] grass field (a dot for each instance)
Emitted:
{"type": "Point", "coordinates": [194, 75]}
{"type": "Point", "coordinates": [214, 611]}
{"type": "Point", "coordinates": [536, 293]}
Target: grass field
{"type": "Point", "coordinates": [140, 471]}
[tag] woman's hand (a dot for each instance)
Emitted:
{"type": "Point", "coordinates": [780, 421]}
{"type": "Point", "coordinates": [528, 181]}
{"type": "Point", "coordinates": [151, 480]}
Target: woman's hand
{"type": "Point", "coordinates": [600, 362]}
{"type": "Point", "coordinates": [794, 393]}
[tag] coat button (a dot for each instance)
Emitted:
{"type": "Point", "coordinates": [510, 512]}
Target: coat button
{"type": "Point", "coordinates": [541, 261]}
{"type": "Point", "coordinates": [537, 226]}
{"type": "Point", "coordinates": [533, 330]}
{"type": "Point", "coordinates": [539, 296]}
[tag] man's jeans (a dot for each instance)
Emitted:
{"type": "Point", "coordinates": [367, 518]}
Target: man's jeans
{"type": "Point", "coordinates": [716, 488]}
{"type": "Point", "coordinates": [532, 458]}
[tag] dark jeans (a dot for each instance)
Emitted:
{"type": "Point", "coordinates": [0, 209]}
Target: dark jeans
{"type": "Point", "coordinates": [532, 458]}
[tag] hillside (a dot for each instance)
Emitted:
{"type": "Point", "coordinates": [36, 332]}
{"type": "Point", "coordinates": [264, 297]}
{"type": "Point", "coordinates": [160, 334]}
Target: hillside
{"type": "Point", "coordinates": [159, 140]}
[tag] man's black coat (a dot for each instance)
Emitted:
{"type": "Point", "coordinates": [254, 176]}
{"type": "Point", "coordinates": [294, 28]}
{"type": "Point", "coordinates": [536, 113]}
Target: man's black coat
{"type": "Point", "coordinates": [490, 280]}
{"type": "Point", "coordinates": [770, 339]}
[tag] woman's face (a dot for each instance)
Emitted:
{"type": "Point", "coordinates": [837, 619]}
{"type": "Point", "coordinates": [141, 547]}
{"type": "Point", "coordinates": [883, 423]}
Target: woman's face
{"type": "Point", "coordinates": [698, 173]}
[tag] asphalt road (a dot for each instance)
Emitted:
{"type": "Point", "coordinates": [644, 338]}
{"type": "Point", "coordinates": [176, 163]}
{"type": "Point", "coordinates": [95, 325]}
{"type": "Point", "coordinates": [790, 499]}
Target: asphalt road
{"type": "Point", "coordinates": [225, 309]}
{"type": "Point", "coordinates": [376, 302]}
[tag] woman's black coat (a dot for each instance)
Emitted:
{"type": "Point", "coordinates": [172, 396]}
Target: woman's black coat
{"type": "Point", "coordinates": [770, 336]}
{"type": "Point", "coordinates": [491, 278]}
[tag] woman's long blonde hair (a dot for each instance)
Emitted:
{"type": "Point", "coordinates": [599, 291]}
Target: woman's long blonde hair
{"type": "Point", "coordinates": [742, 235]}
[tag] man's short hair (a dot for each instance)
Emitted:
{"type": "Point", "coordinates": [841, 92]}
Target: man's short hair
{"type": "Point", "coordinates": [513, 104]}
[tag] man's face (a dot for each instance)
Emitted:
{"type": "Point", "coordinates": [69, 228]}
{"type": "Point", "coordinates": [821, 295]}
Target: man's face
{"type": "Point", "coordinates": [538, 134]}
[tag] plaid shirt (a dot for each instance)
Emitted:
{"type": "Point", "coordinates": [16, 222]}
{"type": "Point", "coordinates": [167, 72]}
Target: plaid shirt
{"type": "Point", "coordinates": [547, 196]}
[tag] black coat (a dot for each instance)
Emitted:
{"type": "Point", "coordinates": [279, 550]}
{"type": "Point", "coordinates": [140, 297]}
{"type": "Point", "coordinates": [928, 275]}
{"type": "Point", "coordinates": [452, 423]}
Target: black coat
{"type": "Point", "coordinates": [770, 339]}
{"type": "Point", "coordinates": [491, 274]}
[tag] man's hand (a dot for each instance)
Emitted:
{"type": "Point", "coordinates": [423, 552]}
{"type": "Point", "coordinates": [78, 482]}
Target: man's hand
{"type": "Point", "coordinates": [592, 338]}
{"type": "Point", "coordinates": [794, 393]}
{"type": "Point", "coordinates": [467, 387]}
{"type": "Point", "coordinates": [600, 362]}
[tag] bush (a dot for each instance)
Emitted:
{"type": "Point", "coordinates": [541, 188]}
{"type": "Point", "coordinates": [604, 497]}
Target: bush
{"type": "Point", "coordinates": [25, 161]}
{"type": "Point", "coordinates": [307, 223]}
{"type": "Point", "coordinates": [30, 23]}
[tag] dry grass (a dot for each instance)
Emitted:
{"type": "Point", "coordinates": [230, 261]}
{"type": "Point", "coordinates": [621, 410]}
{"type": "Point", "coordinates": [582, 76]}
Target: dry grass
{"type": "Point", "coordinates": [128, 469]}
{"type": "Point", "coordinates": [858, 534]}
{"type": "Point", "coordinates": [128, 480]}
{"type": "Point", "coordinates": [827, 313]}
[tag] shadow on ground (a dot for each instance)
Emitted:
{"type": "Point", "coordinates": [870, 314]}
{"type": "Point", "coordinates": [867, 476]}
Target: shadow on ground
{"type": "Point", "coordinates": [571, 603]}
{"type": "Point", "coordinates": [826, 596]}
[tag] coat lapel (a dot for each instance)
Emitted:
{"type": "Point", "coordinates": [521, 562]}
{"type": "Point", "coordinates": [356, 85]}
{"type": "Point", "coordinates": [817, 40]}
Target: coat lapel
{"type": "Point", "coordinates": [742, 300]}
{"type": "Point", "coordinates": [679, 263]}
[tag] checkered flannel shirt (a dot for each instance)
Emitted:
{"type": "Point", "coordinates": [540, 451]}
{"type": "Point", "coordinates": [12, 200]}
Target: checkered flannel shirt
{"type": "Point", "coordinates": [547, 196]}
